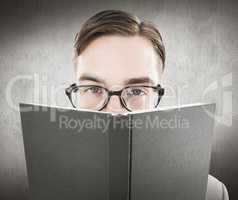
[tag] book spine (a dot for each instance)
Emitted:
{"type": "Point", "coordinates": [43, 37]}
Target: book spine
{"type": "Point", "coordinates": [119, 158]}
{"type": "Point", "coordinates": [130, 158]}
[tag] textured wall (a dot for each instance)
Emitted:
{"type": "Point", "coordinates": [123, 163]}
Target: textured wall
{"type": "Point", "coordinates": [36, 56]}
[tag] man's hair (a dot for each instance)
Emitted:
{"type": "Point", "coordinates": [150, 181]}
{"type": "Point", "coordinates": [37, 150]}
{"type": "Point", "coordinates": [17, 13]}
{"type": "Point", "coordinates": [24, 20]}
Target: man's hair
{"type": "Point", "coordinates": [117, 22]}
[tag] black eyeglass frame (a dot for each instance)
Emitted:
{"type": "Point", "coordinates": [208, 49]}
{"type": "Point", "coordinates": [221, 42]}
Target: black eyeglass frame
{"type": "Point", "coordinates": [74, 86]}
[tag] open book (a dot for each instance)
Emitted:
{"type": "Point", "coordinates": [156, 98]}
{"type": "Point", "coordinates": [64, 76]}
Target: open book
{"type": "Point", "coordinates": [81, 154]}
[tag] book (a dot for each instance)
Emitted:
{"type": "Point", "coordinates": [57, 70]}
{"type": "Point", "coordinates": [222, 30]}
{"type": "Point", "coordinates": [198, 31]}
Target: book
{"type": "Point", "coordinates": [82, 154]}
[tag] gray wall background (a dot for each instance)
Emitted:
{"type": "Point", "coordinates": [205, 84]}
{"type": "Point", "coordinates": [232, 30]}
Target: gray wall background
{"type": "Point", "coordinates": [36, 41]}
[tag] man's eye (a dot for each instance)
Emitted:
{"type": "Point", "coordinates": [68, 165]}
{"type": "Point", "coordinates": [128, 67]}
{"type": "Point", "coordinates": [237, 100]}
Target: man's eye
{"type": "Point", "coordinates": [136, 92]}
{"type": "Point", "coordinates": [94, 90]}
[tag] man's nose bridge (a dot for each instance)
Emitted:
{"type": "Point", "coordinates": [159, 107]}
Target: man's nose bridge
{"type": "Point", "coordinates": [114, 105]}
{"type": "Point", "coordinates": [114, 100]}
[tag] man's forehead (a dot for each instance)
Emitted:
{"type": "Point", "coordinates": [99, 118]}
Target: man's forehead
{"type": "Point", "coordinates": [114, 76]}
{"type": "Point", "coordinates": [121, 50]}
{"type": "Point", "coordinates": [114, 62]}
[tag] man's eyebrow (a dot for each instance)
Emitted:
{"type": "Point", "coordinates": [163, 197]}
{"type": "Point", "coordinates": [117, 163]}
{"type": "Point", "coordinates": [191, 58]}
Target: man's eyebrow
{"type": "Point", "coordinates": [88, 77]}
{"type": "Point", "coordinates": [139, 80]}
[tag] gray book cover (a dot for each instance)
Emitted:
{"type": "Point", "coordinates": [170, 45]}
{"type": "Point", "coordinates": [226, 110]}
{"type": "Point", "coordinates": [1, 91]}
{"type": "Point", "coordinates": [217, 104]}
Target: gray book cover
{"type": "Point", "coordinates": [78, 154]}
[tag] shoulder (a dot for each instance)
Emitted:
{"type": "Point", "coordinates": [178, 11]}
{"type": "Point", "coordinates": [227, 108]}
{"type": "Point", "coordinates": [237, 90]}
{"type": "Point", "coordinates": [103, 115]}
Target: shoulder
{"type": "Point", "coordinates": [216, 190]}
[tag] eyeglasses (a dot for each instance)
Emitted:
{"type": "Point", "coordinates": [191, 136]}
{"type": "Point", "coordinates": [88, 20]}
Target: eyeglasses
{"type": "Point", "coordinates": [132, 98]}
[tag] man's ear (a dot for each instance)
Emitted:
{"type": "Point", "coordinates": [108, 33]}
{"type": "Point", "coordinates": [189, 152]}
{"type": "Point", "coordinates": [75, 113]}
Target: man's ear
{"type": "Point", "coordinates": [160, 70]}
{"type": "Point", "coordinates": [75, 70]}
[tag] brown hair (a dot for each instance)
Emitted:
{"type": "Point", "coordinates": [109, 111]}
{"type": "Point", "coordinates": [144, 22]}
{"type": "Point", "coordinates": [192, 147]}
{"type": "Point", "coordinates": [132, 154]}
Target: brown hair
{"type": "Point", "coordinates": [116, 22]}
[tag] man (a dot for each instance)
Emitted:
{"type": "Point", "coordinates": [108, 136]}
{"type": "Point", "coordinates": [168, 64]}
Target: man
{"type": "Point", "coordinates": [119, 61]}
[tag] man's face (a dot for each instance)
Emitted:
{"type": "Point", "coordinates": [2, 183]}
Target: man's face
{"type": "Point", "coordinates": [117, 61]}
